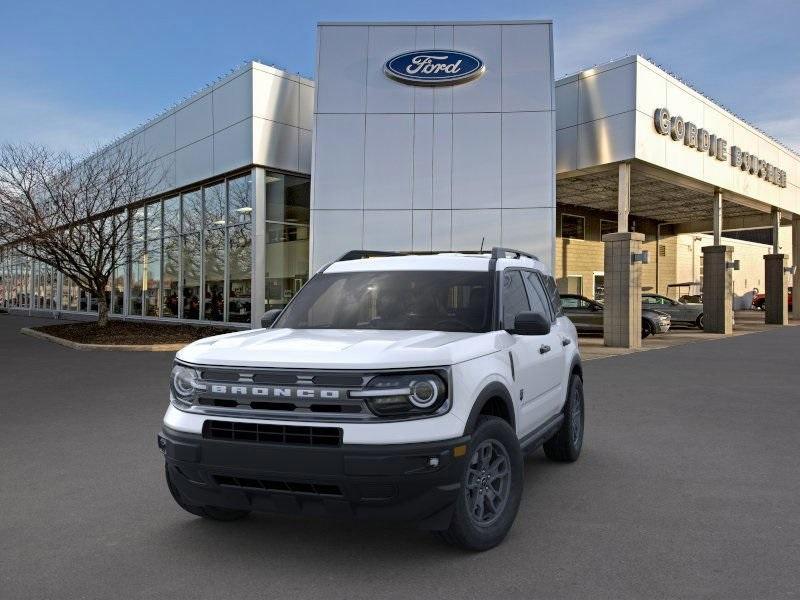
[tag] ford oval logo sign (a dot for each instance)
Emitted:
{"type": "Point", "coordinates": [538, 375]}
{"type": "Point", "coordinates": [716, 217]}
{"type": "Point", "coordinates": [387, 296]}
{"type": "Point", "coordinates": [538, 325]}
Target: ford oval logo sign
{"type": "Point", "coordinates": [434, 67]}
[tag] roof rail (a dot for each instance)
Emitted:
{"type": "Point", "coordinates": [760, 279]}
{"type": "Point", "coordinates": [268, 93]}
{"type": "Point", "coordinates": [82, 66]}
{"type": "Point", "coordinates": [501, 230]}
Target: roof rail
{"type": "Point", "coordinates": [498, 252]}
{"type": "Point", "coordinates": [357, 254]}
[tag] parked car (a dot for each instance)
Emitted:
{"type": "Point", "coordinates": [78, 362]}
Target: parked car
{"type": "Point", "coordinates": [681, 313]}
{"type": "Point", "coordinates": [587, 315]}
{"type": "Point", "coordinates": [398, 387]}
{"type": "Point", "coordinates": [759, 300]}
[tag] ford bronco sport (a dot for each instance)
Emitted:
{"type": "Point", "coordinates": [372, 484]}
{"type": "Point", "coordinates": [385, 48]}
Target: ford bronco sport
{"type": "Point", "coordinates": [391, 386]}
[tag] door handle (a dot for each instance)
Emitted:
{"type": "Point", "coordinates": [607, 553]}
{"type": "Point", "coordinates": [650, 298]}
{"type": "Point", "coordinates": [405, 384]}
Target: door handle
{"type": "Point", "coordinates": [566, 341]}
{"type": "Point", "coordinates": [544, 349]}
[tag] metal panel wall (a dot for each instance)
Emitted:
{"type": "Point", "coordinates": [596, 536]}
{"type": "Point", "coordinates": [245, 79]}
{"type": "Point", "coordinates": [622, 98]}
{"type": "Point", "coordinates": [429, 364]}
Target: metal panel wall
{"type": "Point", "coordinates": [256, 115]}
{"type": "Point", "coordinates": [400, 167]}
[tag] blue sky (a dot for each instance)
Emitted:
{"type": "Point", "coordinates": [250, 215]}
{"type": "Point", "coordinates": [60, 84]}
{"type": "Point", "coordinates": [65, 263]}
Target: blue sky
{"type": "Point", "coordinates": [75, 74]}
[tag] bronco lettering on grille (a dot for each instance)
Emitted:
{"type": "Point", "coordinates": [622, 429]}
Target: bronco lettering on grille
{"type": "Point", "coordinates": [275, 392]}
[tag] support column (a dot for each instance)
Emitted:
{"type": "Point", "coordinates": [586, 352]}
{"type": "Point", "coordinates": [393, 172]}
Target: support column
{"type": "Point", "coordinates": [258, 196]}
{"type": "Point", "coordinates": [776, 290]}
{"type": "Point", "coordinates": [718, 218]}
{"type": "Point", "coordinates": [622, 314]}
{"type": "Point", "coordinates": [717, 290]}
{"type": "Point", "coordinates": [776, 231]}
{"type": "Point", "coordinates": [796, 263]}
{"type": "Point", "coordinates": [623, 197]}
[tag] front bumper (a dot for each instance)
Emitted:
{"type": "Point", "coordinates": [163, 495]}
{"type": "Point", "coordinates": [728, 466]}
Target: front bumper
{"type": "Point", "coordinates": [406, 482]}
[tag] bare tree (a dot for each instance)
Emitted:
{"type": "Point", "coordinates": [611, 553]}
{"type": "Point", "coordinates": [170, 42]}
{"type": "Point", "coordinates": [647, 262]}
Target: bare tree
{"type": "Point", "coordinates": [70, 213]}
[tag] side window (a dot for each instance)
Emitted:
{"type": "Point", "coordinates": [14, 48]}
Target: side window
{"type": "Point", "coordinates": [552, 293]}
{"type": "Point", "coordinates": [649, 300]}
{"type": "Point", "coordinates": [515, 300]}
{"type": "Point", "coordinates": [536, 294]}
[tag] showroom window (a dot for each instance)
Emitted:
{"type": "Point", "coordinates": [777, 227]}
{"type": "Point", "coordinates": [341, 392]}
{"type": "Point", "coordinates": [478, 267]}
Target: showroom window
{"type": "Point", "coordinates": [240, 261]}
{"type": "Point", "coordinates": [288, 211]}
{"type": "Point", "coordinates": [573, 227]}
{"type": "Point", "coordinates": [189, 256]}
{"type": "Point", "coordinates": [151, 261]}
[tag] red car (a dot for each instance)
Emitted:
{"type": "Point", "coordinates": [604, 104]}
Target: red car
{"type": "Point", "coordinates": [760, 299]}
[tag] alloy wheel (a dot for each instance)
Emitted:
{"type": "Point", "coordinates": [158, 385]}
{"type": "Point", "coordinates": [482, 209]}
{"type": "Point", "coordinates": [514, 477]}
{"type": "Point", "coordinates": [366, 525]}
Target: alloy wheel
{"type": "Point", "coordinates": [488, 482]}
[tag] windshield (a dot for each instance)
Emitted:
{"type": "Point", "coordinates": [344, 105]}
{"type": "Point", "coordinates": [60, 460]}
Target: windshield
{"type": "Point", "coordinates": [399, 300]}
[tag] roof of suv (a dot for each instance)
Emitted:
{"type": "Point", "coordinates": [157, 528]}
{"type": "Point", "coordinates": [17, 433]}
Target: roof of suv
{"type": "Point", "coordinates": [445, 261]}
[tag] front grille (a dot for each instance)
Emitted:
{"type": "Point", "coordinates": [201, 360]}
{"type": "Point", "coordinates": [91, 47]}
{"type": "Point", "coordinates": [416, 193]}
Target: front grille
{"type": "Point", "coordinates": [292, 487]}
{"type": "Point", "coordinates": [291, 395]}
{"type": "Point", "coordinates": [267, 433]}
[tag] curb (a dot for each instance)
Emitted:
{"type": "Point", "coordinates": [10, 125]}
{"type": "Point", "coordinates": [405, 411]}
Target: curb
{"type": "Point", "coordinates": [120, 347]}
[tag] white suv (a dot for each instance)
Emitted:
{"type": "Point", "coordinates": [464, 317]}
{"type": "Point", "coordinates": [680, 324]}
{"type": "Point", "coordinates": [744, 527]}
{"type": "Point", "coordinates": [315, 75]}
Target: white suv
{"type": "Point", "coordinates": [392, 386]}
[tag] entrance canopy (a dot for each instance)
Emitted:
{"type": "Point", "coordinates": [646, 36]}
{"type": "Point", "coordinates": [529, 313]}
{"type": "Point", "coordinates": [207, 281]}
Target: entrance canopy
{"type": "Point", "coordinates": [684, 151]}
{"type": "Point", "coordinates": [662, 196]}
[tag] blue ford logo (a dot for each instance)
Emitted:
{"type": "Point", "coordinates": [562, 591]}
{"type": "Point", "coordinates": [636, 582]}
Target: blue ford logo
{"type": "Point", "coordinates": [434, 67]}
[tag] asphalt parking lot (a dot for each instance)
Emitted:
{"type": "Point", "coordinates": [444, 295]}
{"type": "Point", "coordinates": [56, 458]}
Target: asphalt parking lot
{"type": "Point", "coordinates": [688, 488]}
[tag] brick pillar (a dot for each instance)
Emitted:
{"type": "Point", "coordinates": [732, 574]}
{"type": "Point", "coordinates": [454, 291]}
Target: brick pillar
{"type": "Point", "coordinates": [776, 290]}
{"type": "Point", "coordinates": [717, 290]}
{"type": "Point", "coordinates": [622, 314]}
{"type": "Point", "coordinates": [796, 262]}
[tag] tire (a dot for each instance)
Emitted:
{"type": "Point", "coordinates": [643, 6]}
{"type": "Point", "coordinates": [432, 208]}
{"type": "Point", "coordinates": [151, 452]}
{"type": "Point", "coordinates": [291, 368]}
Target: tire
{"type": "Point", "coordinates": [648, 328]}
{"type": "Point", "coordinates": [700, 321]}
{"type": "Point", "coordinates": [566, 444]}
{"type": "Point", "coordinates": [215, 513]}
{"type": "Point", "coordinates": [479, 532]}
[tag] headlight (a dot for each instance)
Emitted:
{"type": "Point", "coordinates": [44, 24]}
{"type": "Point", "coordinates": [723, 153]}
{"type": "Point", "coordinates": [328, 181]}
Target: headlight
{"type": "Point", "coordinates": [184, 381]}
{"type": "Point", "coordinates": [405, 395]}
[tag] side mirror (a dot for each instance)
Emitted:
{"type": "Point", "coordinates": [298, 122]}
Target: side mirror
{"type": "Point", "coordinates": [531, 323]}
{"type": "Point", "coordinates": [270, 317]}
{"type": "Point", "coordinates": [596, 307]}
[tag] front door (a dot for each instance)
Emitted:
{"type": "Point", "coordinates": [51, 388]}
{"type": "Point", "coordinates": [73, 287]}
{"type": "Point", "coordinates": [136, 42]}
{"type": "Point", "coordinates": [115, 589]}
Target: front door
{"type": "Point", "coordinates": [538, 359]}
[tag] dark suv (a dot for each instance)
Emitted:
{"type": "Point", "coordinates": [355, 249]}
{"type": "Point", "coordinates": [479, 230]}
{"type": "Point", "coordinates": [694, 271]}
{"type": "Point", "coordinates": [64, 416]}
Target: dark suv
{"type": "Point", "coordinates": [587, 315]}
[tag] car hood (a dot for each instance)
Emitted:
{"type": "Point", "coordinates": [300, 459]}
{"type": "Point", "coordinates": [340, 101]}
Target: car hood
{"type": "Point", "coordinates": [338, 348]}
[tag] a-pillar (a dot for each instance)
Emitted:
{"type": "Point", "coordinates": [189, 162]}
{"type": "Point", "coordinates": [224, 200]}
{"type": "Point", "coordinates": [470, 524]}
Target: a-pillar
{"type": "Point", "coordinates": [796, 263]}
{"type": "Point", "coordinates": [717, 289]}
{"type": "Point", "coordinates": [622, 313]}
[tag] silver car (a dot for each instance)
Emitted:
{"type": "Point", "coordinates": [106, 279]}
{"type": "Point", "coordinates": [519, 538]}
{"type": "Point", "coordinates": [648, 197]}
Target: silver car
{"type": "Point", "coordinates": [682, 313]}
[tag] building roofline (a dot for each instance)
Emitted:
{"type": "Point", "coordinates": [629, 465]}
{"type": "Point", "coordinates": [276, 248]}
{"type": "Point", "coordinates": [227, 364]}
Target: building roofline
{"type": "Point", "coordinates": [433, 23]}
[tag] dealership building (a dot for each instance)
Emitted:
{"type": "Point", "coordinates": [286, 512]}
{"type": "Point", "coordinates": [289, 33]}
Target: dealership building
{"type": "Point", "coordinates": [421, 137]}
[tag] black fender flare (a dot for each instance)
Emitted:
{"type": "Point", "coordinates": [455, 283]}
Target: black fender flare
{"type": "Point", "coordinates": [576, 367]}
{"type": "Point", "coordinates": [494, 389]}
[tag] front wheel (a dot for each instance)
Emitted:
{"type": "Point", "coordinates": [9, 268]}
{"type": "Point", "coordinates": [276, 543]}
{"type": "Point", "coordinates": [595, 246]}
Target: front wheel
{"type": "Point", "coordinates": [491, 488]}
{"type": "Point", "coordinates": [700, 321]}
{"type": "Point", "coordinates": [648, 328]}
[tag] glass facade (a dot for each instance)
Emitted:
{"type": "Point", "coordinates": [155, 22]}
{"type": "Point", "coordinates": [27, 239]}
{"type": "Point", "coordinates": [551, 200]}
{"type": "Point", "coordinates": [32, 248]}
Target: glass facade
{"type": "Point", "coordinates": [190, 256]}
